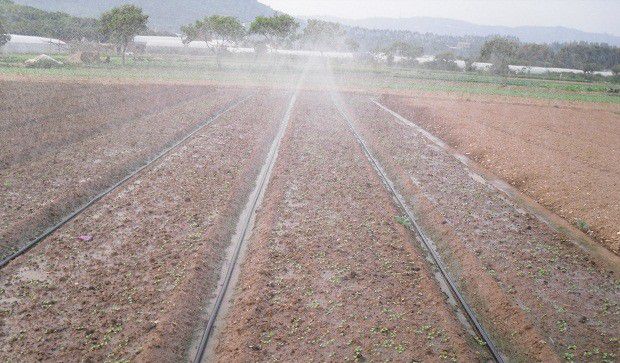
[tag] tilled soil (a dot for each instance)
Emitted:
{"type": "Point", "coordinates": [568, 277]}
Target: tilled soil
{"type": "Point", "coordinates": [127, 279]}
{"type": "Point", "coordinates": [39, 193]}
{"type": "Point", "coordinates": [567, 158]}
{"type": "Point", "coordinates": [332, 271]}
{"type": "Point", "coordinates": [330, 275]}
{"type": "Point", "coordinates": [52, 122]}
{"type": "Point", "coordinates": [537, 292]}
{"type": "Point", "coordinates": [20, 99]}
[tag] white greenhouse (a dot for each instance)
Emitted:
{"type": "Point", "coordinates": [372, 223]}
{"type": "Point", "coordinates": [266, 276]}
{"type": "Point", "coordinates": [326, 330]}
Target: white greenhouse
{"type": "Point", "coordinates": [163, 44]}
{"type": "Point", "coordinates": [23, 44]}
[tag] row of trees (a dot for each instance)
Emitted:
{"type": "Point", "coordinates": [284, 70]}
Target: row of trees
{"type": "Point", "coordinates": [26, 20]}
{"type": "Point", "coordinates": [400, 49]}
{"type": "Point", "coordinates": [503, 51]}
{"type": "Point", "coordinates": [589, 57]}
{"type": "Point", "coordinates": [121, 24]}
{"type": "Point", "coordinates": [275, 31]}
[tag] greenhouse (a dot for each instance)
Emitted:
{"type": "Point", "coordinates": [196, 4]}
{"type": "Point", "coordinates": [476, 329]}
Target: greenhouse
{"type": "Point", "coordinates": [29, 44]}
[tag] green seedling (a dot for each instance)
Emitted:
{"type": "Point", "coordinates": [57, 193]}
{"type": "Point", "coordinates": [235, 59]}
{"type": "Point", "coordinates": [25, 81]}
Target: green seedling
{"type": "Point", "coordinates": [543, 272]}
{"type": "Point", "coordinates": [357, 354]}
{"type": "Point", "coordinates": [562, 325]}
{"type": "Point", "coordinates": [582, 225]}
{"type": "Point", "coordinates": [403, 220]}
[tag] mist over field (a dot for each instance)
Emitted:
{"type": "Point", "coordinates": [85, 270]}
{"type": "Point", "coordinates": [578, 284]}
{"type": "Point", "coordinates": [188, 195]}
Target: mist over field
{"type": "Point", "coordinates": [273, 181]}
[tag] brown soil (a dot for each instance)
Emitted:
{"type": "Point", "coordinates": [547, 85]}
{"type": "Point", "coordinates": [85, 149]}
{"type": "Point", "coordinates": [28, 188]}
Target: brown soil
{"type": "Point", "coordinates": [135, 291]}
{"type": "Point", "coordinates": [329, 273]}
{"type": "Point", "coordinates": [58, 115]}
{"type": "Point", "coordinates": [283, 82]}
{"type": "Point", "coordinates": [527, 282]}
{"type": "Point", "coordinates": [566, 158]}
{"type": "Point", "coordinates": [83, 157]}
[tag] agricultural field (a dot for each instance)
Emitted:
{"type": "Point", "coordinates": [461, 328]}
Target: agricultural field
{"type": "Point", "coordinates": [239, 70]}
{"type": "Point", "coordinates": [564, 156]}
{"type": "Point", "coordinates": [280, 209]}
{"type": "Point", "coordinates": [66, 142]}
{"type": "Point", "coordinates": [534, 88]}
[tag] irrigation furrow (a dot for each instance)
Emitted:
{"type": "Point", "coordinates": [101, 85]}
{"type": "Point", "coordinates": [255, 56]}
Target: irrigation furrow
{"type": "Point", "coordinates": [425, 241]}
{"type": "Point", "coordinates": [244, 226]}
{"type": "Point", "coordinates": [131, 175]}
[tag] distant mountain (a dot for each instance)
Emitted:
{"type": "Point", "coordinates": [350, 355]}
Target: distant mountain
{"type": "Point", "coordinates": [530, 34]}
{"type": "Point", "coordinates": [164, 14]}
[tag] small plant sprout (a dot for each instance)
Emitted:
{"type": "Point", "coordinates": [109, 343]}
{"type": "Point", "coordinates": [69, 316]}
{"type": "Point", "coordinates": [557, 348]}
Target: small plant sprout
{"type": "Point", "coordinates": [357, 354]}
{"type": "Point", "coordinates": [582, 225]}
{"type": "Point", "coordinates": [562, 325]}
{"type": "Point", "coordinates": [403, 220]}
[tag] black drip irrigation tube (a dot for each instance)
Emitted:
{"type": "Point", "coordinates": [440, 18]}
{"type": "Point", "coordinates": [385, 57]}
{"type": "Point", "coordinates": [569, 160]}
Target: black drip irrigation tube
{"type": "Point", "coordinates": [426, 241]}
{"type": "Point", "coordinates": [101, 195]}
{"type": "Point", "coordinates": [246, 222]}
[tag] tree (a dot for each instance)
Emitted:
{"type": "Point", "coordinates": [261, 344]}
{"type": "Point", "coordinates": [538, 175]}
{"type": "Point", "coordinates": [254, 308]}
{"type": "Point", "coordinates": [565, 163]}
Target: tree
{"type": "Point", "coordinates": [217, 30]}
{"type": "Point", "coordinates": [121, 24]}
{"type": "Point", "coordinates": [323, 35]}
{"type": "Point", "coordinates": [446, 57]}
{"type": "Point", "coordinates": [499, 47]}
{"type": "Point", "coordinates": [401, 49]}
{"type": "Point", "coordinates": [532, 54]}
{"type": "Point", "coordinates": [4, 37]}
{"type": "Point", "coordinates": [405, 49]}
{"type": "Point", "coordinates": [587, 56]}
{"type": "Point", "coordinates": [276, 29]}
{"type": "Point", "coordinates": [444, 61]}
{"type": "Point", "coordinates": [616, 69]}
{"type": "Point", "coordinates": [500, 51]}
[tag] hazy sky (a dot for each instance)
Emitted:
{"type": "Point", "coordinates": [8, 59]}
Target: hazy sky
{"type": "Point", "coordinates": [589, 15]}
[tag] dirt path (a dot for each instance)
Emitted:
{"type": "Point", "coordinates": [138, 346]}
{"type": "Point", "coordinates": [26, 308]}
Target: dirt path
{"type": "Point", "coordinates": [526, 281]}
{"type": "Point", "coordinates": [132, 288]}
{"type": "Point", "coordinates": [330, 273]}
{"type": "Point", "coordinates": [38, 194]}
